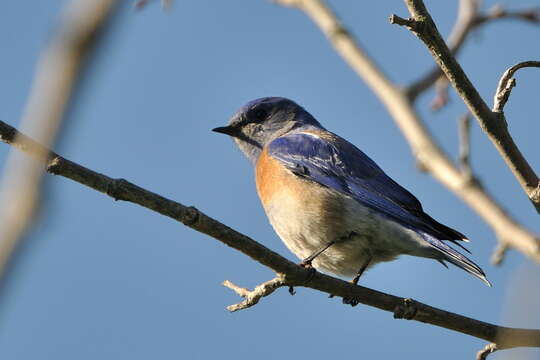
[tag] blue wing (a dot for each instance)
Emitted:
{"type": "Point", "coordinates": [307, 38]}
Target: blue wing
{"type": "Point", "coordinates": [335, 163]}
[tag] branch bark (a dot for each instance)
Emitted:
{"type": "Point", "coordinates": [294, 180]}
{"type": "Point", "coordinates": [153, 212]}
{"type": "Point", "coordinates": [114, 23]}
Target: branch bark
{"type": "Point", "coordinates": [427, 152]}
{"type": "Point", "coordinates": [465, 22]}
{"type": "Point", "coordinates": [468, 19]}
{"type": "Point", "coordinates": [289, 274]}
{"type": "Point", "coordinates": [493, 123]}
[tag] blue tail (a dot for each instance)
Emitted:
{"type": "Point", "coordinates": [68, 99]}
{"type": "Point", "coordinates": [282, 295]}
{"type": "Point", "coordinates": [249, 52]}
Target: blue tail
{"type": "Point", "coordinates": [454, 257]}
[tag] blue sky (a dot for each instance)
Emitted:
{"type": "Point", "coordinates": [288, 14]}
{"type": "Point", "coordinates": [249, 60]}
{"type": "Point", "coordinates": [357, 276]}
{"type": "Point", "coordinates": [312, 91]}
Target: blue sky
{"type": "Point", "coordinates": [98, 279]}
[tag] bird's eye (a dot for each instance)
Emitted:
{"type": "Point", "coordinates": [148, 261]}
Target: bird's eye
{"type": "Point", "coordinates": [260, 114]}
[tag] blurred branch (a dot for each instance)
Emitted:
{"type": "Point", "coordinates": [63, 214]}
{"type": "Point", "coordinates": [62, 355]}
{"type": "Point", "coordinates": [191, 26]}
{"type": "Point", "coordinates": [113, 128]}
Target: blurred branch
{"type": "Point", "coordinates": [464, 125]}
{"type": "Point", "coordinates": [165, 4]}
{"type": "Point", "coordinates": [289, 274]}
{"type": "Point", "coordinates": [468, 19]}
{"type": "Point", "coordinates": [441, 97]}
{"type": "Point", "coordinates": [498, 254]}
{"type": "Point", "coordinates": [422, 143]}
{"type": "Point", "coordinates": [498, 12]}
{"type": "Point", "coordinates": [57, 73]}
{"type": "Point", "coordinates": [494, 124]}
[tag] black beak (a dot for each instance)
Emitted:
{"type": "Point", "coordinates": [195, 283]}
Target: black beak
{"type": "Point", "coordinates": [228, 130]}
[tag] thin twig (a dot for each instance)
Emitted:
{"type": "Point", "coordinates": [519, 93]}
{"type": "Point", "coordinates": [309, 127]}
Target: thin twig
{"type": "Point", "coordinates": [290, 274]}
{"type": "Point", "coordinates": [498, 12]}
{"type": "Point", "coordinates": [441, 97]}
{"type": "Point", "coordinates": [56, 76]}
{"type": "Point", "coordinates": [253, 297]}
{"type": "Point", "coordinates": [426, 151]}
{"type": "Point", "coordinates": [465, 20]}
{"type": "Point", "coordinates": [494, 124]}
{"type": "Point", "coordinates": [488, 349]}
{"type": "Point", "coordinates": [165, 4]}
{"type": "Point", "coordinates": [468, 19]}
{"type": "Point", "coordinates": [464, 125]}
{"type": "Point", "coordinates": [499, 253]}
{"type": "Point", "coordinates": [507, 83]}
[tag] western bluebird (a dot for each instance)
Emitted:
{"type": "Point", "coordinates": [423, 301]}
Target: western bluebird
{"type": "Point", "coordinates": [328, 201]}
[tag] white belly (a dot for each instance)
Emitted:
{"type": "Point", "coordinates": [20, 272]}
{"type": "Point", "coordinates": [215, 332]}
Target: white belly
{"type": "Point", "coordinates": [307, 224]}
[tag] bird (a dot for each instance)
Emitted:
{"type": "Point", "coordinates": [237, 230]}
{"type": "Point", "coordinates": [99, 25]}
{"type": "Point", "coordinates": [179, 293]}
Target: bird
{"type": "Point", "coordinates": [330, 203]}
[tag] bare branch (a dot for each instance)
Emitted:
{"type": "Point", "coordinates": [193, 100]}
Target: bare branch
{"type": "Point", "coordinates": [488, 349]}
{"type": "Point", "coordinates": [507, 83]}
{"type": "Point", "coordinates": [427, 153]}
{"type": "Point", "coordinates": [498, 12]}
{"type": "Point", "coordinates": [165, 4]}
{"type": "Point", "coordinates": [290, 274]}
{"type": "Point", "coordinates": [465, 22]}
{"type": "Point", "coordinates": [494, 124]}
{"type": "Point", "coordinates": [464, 125]}
{"type": "Point", "coordinates": [441, 97]}
{"type": "Point", "coordinates": [58, 70]}
{"type": "Point", "coordinates": [499, 253]}
{"type": "Point", "coordinates": [253, 297]}
{"type": "Point", "coordinates": [468, 19]}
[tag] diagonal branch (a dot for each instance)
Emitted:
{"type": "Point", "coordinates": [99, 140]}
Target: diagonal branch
{"type": "Point", "coordinates": [425, 149]}
{"type": "Point", "coordinates": [464, 128]}
{"type": "Point", "coordinates": [57, 75]}
{"type": "Point", "coordinates": [289, 274]}
{"type": "Point", "coordinates": [468, 19]}
{"type": "Point", "coordinates": [465, 22]}
{"type": "Point", "coordinates": [494, 124]}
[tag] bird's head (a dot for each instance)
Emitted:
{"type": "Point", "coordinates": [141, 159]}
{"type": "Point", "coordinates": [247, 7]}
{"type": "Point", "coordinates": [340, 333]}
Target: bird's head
{"type": "Point", "coordinates": [262, 120]}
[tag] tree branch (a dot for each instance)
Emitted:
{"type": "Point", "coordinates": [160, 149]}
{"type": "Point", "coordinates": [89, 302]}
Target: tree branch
{"type": "Point", "coordinates": [464, 126]}
{"type": "Point", "coordinates": [465, 22]}
{"type": "Point", "coordinates": [494, 124]}
{"type": "Point", "coordinates": [57, 74]}
{"type": "Point", "coordinates": [289, 274]}
{"type": "Point", "coordinates": [507, 83]}
{"type": "Point", "coordinates": [468, 19]}
{"type": "Point", "coordinates": [253, 297]}
{"type": "Point", "coordinates": [426, 151]}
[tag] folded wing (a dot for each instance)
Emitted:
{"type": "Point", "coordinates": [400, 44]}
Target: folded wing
{"type": "Point", "coordinates": [335, 163]}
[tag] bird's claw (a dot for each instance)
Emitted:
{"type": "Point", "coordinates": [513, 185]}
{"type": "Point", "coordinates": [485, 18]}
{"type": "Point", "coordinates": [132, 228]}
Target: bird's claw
{"type": "Point", "coordinates": [350, 301]}
{"type": "Point", "coordinates": [306, 263]}
{"type": "Point", "coordinates": [291, 290]}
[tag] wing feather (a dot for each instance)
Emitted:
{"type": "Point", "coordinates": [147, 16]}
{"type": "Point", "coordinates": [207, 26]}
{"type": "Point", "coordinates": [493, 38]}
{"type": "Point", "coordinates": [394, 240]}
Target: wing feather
{"type": "Point", "coordinates": [333, 162]}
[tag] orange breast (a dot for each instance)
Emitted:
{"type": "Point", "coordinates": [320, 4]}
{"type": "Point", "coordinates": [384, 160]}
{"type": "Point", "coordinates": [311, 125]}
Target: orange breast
{"type": "Point", "coordinates": [272, 178]}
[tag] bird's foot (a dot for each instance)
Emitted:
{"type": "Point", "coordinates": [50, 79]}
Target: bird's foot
{"type": "Point", "coordinates": [291, 290]}
{"type": "Point", "coordinates": [407, 310]}
{"type": "Point", "coordinates": [306, 263]}
{"type": "Point", "coordinates": [350, 301]}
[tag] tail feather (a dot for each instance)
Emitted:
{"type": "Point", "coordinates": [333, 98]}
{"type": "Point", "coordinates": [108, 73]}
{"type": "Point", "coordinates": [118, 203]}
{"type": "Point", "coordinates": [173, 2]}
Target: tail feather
{"type": "Point", "coordinates": [455, 242]}
{"type": "Point", "coordinates": [456, 258]}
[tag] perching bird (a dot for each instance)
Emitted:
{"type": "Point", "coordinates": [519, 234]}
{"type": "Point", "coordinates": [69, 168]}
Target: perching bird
{"type": "Point", "coordinates": [328, 201]}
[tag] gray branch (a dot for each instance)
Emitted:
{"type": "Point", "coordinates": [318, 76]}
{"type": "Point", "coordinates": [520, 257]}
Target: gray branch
{"type": "Point", "coordinates": [493, 123]}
